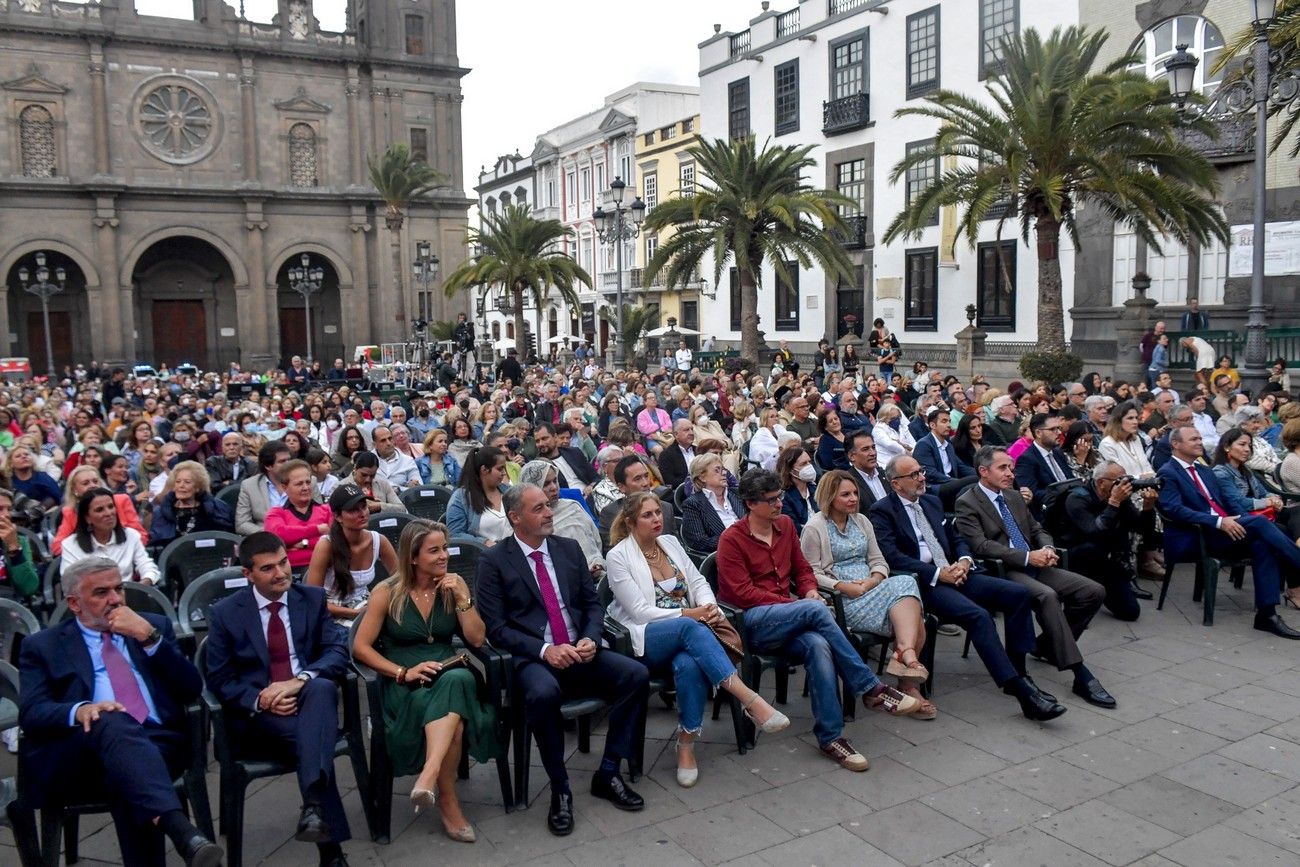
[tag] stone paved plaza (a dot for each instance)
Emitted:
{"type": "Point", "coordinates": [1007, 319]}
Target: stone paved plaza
{"type": "Point", "coordinates": [1199, 765]}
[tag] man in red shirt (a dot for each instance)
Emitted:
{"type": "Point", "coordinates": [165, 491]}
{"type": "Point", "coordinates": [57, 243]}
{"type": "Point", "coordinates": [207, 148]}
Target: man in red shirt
{"type": "Point", "coordinates": [759, 559]}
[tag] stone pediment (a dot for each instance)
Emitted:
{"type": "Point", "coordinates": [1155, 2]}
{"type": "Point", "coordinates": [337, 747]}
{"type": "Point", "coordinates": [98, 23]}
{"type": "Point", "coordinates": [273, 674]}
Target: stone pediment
{"type": "Point", "coordinates": [301, 102]}
{"type": "Point", "coordinates": [34, 82]}
{"type": "Point", "coordinates": [616, 119]}
{"type": "Point", "coordinates": [542, 150]}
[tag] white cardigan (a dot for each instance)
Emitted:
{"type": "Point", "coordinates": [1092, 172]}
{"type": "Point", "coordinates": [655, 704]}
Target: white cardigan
{"type": "Point", "coordinates": [633, 586]}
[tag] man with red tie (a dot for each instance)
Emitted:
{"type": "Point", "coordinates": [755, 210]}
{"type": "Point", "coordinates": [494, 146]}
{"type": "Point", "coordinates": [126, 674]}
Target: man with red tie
{"type": "Point", "coordinates": [539, 603]}
{"type": "Point", "coordinates": [1190, 497]}
{"type": "Point", "coordinates": [273, 657]}
{"type": "Point", "coordinates": [103, 715]}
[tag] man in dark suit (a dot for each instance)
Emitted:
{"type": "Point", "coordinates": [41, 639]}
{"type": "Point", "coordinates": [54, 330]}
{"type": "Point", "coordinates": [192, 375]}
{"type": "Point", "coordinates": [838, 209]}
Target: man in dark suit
{"type": "Point", "coordinates": [994, 519]}
{"type": "Point", "coordinates": [273, 657]}
{"type": "Point", "coordinates": [860, 447]}
{"type": "Point", "coordinates": [230, 467]}
{"type": "Point", "coordinates": [630, 476]}
{"type": "Point", "coordinates": [945, 473]}
{"type": "Point", "coordinates": [539, 603]}
{"type": "Point", "coordinates": [103, 708]}
{"type": "Point", "coordinates": [910, 528]}
{"type": "Point", "coordinates": [572, 465]}
{"type": "Point", "coordinates": [1162, 450]}
{"type": "Point", "coordinates": [1043, 464]}
{"type": "Point", "coordinates": [675, 459]}
{"type": "Point", "coordinates": [1194, 319]}
{"type": "Point", "coordinates": [1190, 498]}
{"type": "Point", "coordinates": [510, 369]}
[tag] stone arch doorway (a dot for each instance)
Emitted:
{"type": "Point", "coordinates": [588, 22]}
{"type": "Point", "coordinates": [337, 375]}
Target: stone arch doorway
{"type": "Point", "coordinates": [69, 313]}
{"type": "Point", "coordinates": [326, 313]}
{"type": "Point", "coordinates": [185, 305]}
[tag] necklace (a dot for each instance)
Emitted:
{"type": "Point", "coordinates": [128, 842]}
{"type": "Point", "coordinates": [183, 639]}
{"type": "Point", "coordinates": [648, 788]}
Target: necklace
{"type": "Point", "coordinates": [652, 557]}
{"type": "Point", "coordinates": [428, 624]}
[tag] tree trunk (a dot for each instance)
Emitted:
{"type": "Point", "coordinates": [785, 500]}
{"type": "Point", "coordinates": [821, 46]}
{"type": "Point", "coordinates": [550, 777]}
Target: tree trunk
{"type": "Point", "coordinates": [521, 338]}
{"type": "Point", "coordinates": [1051, 313]}
{"type": "Point", "coordinates": [399, 284]}
{"type": "Point", "coordinates": [751, 345]}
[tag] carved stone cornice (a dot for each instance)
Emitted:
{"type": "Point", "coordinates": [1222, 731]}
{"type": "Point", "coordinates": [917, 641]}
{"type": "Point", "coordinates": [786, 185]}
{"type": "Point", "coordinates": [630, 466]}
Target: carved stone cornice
{"type": "Point", "coordinates": [110, 222]}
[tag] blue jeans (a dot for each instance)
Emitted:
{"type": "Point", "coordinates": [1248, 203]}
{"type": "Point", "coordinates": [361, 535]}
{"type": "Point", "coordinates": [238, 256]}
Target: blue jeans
{"type": "Point", "coordinates": [807, 631]}
{"type": "Point", "coordinates": [697, 659]}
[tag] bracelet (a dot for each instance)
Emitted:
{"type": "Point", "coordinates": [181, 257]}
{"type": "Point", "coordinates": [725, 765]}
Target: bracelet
{"type": "Point", "coordinates": [401, 674]}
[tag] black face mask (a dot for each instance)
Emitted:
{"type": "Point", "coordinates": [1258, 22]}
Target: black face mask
{"type": "Point", "coordinates": [424, 413]}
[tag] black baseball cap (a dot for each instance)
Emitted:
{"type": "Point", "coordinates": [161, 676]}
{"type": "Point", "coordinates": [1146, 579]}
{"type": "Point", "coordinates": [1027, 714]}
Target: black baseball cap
{"type": "Point", "coordinates": [346, 497]}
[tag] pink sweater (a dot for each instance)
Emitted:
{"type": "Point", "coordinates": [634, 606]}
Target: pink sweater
{"type": "Point", "coordinates": [294, 532]}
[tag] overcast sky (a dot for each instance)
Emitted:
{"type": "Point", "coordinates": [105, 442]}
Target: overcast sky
{"type": "Point", "coordinates": [536, 65]}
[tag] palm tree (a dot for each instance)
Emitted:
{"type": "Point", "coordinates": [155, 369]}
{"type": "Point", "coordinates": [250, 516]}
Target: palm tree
{"type": "Point", "coordinates": [751, 208]}
{"type": "Point", "coordinates": [637, 319]}
{"type": "Point", "coordinates": [1057, 135]}
{"type": "Point", "coordinates": [1284, 36]}
{"type": "Point", "coordinates": [522, 252]}
{"type": "Point", "coordinates": [400, 178]}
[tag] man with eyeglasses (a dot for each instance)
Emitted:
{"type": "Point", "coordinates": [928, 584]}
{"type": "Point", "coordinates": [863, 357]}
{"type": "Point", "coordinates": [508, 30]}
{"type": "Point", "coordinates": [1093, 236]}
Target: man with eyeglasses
{"type": "Point", "coordinates": [1077, 394]}
{"type": "Point", "coordinates": [1042, 464]}
{"type": "Point", "coordinates": [801, 421]}
{"type": "Point", "coordinates": [759, 559]}
{"type": "Point", "coordinates": [1100, 519]}
{"type": "Point", "coordinates": [910, 528]}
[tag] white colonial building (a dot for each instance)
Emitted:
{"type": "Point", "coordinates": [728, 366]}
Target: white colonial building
{"type": "Point", "coordinates": [832, 73]}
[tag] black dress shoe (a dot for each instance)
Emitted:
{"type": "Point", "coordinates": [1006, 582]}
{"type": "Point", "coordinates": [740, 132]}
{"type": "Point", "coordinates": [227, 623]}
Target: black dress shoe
{"type": "Point", "coordinates": [612, 788]}
{"type": "Point", "coordinates": [199, 851]}
{"type": "Point", "coordinates": [339, 860]}
{"type": "Point", "coordinates": [1094, 693]}
{"type": "Point", "coordinates": [1141, 593]}
{"type": "Point", "coordinates": [1034, 704]}
{"type": "Point", "coordinates": [312, 827]}
{"type": "Point", "coordinates": [1044, 693]}
{"type": "Point", "coordinates": [1274, 624]}
{"type": "Point", "coordinates": [560, 818]}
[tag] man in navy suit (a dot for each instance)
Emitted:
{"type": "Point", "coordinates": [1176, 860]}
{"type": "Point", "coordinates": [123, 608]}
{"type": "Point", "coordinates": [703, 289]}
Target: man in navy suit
{"type": "Point", "coordinates": [1161, 450]}
{"type": "Point", "coordinates": [1043, 463]}
{"type": "Point", "coordinates": [910, 528]}
{"type": "Point", "coordinates": [945, 473]}
{"type": "Point", "coordinates": [539, 603]}
{"type": "Point", "coordinates": [1190, 496]}
{"type": "Point", "coordinates": [103, 708]}
{"type": "Point", "coordinates": [273, 656]}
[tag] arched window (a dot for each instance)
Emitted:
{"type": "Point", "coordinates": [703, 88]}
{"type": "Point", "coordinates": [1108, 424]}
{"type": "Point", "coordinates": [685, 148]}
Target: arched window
{"type": "Point", "coordinates": [1203, 40]}
{"type": "Point", "coordinates": [36, 140]}
{"type": "Point", "coordinates": [496, 331]}
{"type": "Point", "coordinates": [302, 155]}
{"type": "Point", "coordinates": [510, 331]}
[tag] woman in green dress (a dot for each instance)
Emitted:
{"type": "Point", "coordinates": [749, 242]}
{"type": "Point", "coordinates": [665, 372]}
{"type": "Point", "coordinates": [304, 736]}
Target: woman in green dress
{"type": "Point", "coordinates": [405, 636]}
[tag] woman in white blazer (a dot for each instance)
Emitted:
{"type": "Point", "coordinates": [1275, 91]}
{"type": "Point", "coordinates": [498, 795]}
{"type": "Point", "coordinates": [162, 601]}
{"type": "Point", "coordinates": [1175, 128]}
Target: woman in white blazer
{"type": "Point", "coordinates": [666, 605]}
{"type": "Point", "coordinates": [891, 441]}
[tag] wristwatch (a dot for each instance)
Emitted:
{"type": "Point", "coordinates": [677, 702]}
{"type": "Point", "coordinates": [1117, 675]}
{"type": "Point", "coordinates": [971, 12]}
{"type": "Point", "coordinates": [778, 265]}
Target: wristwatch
{"type": "Point", "coordinates": [469, 603]}
{"type": "Point", "coordinates": [303, 676]}
{"type": "Point", "coordinates": [153, 637]}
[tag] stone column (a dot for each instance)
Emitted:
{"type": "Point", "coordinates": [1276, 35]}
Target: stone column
{"type": "Point", "coordinates": [356, 149]}
{"type": "Point", "coordinates": [970, 347]}
{"type": "Point", "coordinates": [457, 169]}
{"type": "Point", "coordinates": [261, 339]}
{"type": "Point", "coordinates": [248, 119]}
{"type": "Point", "coordinates": [116, 313]}
{"type": "Point", "coordinates": [6, 346]}
{"type": "Point", "coordinates": [378, 136]}
{"type": "Point", "coordinates": [356, 308]}
{"type": "Point", "coordinates": [1130, 327]}
{"type": "Point", "coordinates": [98, 70]}
{"type": "Point", "coordinates": [396, 115]}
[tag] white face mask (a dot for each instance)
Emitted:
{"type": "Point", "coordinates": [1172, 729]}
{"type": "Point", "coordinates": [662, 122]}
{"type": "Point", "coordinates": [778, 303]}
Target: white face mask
{"type": "Point", "coordinates": [807, 473]}
{"type": "Point", "coordinates": [332, 424]}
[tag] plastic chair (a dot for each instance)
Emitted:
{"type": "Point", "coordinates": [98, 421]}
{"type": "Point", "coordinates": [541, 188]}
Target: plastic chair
{"type": "Point", "coordinates": [51, 590]}
{"type": "Point", "coordinates": [16, 622]}
{"type": "Point", "coordinates": [230, 495]}
{"type": "Point", "coordinates": [237, 772]}
{"type": "Point", "coordinates": [390, 525]}
{"type": "Point", "coordinates": [427, 501]}
{"type": "Point", "coordinates": [189, 556]}
{"type": "Point", "coordinates": [1207, 566]}
{"type": "Point", "coordinates": [40, 550]}
{"type": "Point", "coordinates": [464, 553]}
{"type": "Point", "coordinates": [204, 592]}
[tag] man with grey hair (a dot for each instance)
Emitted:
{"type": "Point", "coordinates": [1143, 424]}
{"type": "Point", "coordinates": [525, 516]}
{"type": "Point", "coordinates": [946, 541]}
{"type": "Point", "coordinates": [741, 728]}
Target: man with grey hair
{"type": "Point", "coordinates": [1096, 410]}
{"type": "Point", "coordinates": [103, 707]}
{"type": "Point", "coordinates": [1077, 394]}
{"type": "Point", "coordinates": [1097, 527]}
{"type": "Point", "coordinates": [1180, 415]}
{"type": "Point", "coordinates": [606, 491]}
{"type": "Point", "coordinates": [539, 603]}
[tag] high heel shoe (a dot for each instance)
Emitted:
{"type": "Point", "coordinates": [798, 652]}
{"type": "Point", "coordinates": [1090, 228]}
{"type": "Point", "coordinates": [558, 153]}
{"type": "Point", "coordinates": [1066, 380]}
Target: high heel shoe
{"type": "Point", "coordinates": [423, 799]}
{"type": "Point", "coordinates": [461, 835]}
{"type": "Point", "coordinates": [1291, 597]}
{"type": "Point", "coordinates": [686, 777]}
{"type": "Point", "coordinates": [775, 723]}
{"type": "Point", "coordinates": [898, 668]}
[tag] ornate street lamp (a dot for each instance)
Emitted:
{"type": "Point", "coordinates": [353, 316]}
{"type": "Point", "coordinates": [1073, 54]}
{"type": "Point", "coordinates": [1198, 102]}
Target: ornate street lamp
{"type": "Point", "coordinates": [614, 228]}
{"type": "Point", "coordinates": [45, 290]}
{"type": "Point", "coordinates": [306, 281]}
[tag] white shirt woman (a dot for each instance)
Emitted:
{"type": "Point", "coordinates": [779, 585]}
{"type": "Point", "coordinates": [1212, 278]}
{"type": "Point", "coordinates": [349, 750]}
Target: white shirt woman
{"type": "Point", "coordinates": [891, 443]}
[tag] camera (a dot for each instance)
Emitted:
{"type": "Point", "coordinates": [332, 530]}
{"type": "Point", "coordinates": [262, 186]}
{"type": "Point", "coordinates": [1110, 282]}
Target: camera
{"type": "Point", "coordinates": [1153, 484]}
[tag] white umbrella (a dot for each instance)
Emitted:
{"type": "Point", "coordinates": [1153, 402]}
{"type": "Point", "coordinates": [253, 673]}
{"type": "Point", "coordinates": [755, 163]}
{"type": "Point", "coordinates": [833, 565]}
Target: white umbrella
{"type": "Point", "coordinates": [563, 337]}
{"type": "Point", "coordinates": [664, 330]}
{"type": "Point", "coordinates": [503, 344]}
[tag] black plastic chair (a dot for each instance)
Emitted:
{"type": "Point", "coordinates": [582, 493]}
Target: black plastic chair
{"type": "Point", "coordinates": [12, 812]}
{"type": "Point", "coordinates": [390, 525]}
{"type": "Point", "coordinates": [40, 549]}
{"type": "Point", "coordinates": [16, 623]}
{"type": "Point", "coordinates": [194, 554]}
{"type": "Point", "coordinates": [427, 501]}
{"type": "Point", "coordinates": [1206, 585]}
{"type": "Point", "coordinates": [237, 772]}
{"type": "Point", "coordinates": [230, 495]}
{"type": "Point", "coordinates": [51, 590]}
{"type": "Point", "coordinates": [464, 553]}
{"type": "Point", "coordinates": [204, 592]}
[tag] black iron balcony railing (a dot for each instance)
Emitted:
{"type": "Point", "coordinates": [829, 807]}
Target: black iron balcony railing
{"type": "Point", "coordinates": [846, 114]}
{"type": "Point", "coordinates": [854, 234]}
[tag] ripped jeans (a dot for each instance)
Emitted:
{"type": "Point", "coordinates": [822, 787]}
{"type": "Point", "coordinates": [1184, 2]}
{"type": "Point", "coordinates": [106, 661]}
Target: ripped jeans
{"type": "Point", "coordinates": [697, 661]}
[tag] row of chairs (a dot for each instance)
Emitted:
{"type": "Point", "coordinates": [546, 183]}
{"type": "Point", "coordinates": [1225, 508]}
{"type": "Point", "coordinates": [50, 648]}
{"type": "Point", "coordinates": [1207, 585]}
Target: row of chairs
{"type": "Point", "coordinates": [424, 501]}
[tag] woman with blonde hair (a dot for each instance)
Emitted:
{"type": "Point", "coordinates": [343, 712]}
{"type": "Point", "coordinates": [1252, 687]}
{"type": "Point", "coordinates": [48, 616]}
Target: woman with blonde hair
{"type": "Point", "coordinates": [668, 609]}
{"type": "Point", "coordinates": [187, 505]}
{"type": "Point", "coordinates": [892, 437]}
{"type": "Point", "coordinates": [744, 425]}
{"type": "Point", "coordinates": [764, 446]}
{"type": "Point", "coordinates": [81, 480]}
{"type": "Point", "coordinates": [405, 635]}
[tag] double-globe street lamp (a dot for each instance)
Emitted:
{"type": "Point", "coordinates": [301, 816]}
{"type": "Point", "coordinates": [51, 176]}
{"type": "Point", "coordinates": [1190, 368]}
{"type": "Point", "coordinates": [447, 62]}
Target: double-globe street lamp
{"type": "Point", "coordinates": [307, 281]}
{"type": "Point", "coordinates": [1268, 82]}
{"type": "Point", "coordinates": [44, 290]}
{"type": "Point", "coordinates": [613, 228]}
{"type": "Point", "coordinates": [424, 268]}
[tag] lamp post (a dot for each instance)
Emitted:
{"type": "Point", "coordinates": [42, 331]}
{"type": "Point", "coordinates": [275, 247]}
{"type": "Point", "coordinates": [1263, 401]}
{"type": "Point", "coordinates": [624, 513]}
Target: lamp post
{"type": "Point", "coordinates": [45, 290]}
{"type": "Point", "coordinates": [424, 268]}
{"type": "Point", "coordinates": [614, 228]}
{"type": "Point", "coordinates": [306, 281]}
{"type": "Point", "coordinates": [1267, 83]}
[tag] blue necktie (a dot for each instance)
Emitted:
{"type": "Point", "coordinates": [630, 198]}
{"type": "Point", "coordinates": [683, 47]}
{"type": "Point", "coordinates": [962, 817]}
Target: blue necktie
{"type": "Point", "coordinates": [1013, 531]}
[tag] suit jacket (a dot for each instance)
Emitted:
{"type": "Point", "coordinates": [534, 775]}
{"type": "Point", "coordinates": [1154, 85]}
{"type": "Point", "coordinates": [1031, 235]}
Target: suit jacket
{"type": "Point", "coordinates": [221, 472]}
{"type": "Point", "coordinates": [898, 540]}
{"type": "Point", "coordinates": [918, 428]}
{"type": "Point", "coordinates": [1185, 508]}
{"type": "Point", "coordinates": [701, 526]}
{"type": "Point", "coordinates": [1199, 321]}
{"type": "Point", "coordinates": [1032, 472]}
{"type": "Point", "coordinates": [1161, 451]}
{"type": "Point", "coordinates": [978, 522]}
{"type": "Point", "coordinates": [252, 505]}
{"type": "Point", "coordinates": [55, 674]}
{"type": "Point", "coordinates": [511, 603]}
{"type": "Point", "coordinates": [926, 454]}
{"type": "Point", "coordinates": [672, 466]}
{"type": "Point", "coordinates": [239, 665]}
{"type": "Point", "coordinates": [867, 497]}
{"type": "Point", "coordinates": [578, 462]}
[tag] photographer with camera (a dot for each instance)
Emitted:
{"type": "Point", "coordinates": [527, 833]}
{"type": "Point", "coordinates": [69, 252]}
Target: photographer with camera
{"type": "Point", "coordinates": [1098, 526]}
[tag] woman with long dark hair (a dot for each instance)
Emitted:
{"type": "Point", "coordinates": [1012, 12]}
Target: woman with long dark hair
{"type": "Point", "coordinates": [345, 561]}
{"type": "Point", "coordinates": [476, 508]}
{"type": "Point", "coordinates": [99, 532]}
{"type": "Point", "coordinates": [969, 438]}
{"type": "Point", "coordinates": [349, 441]}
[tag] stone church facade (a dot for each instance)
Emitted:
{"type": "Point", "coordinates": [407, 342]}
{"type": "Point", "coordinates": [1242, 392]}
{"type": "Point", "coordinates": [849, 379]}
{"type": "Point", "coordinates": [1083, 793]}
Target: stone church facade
{"type": "Point", "coordinates": [177, 169]}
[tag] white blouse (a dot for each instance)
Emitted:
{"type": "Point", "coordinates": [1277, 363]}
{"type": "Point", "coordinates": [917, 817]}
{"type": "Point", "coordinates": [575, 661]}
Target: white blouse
{"type": "Point", "coordinates": [1132, 455]}
{"type": "Point", "coordinates": [133, 562]}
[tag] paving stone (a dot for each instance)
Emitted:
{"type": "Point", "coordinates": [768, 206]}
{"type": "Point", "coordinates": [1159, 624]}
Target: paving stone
{"type": "Point", "coordinates": [1267, 753]}
{"type": "Point", "coordinates": [1213, 673]}
{"type": "Point", "coordinates": [1229, 780]}
{"type": "Point", "coordinates": [1222, 846]}
{"type": "Point", "coordinates": [1128, 661]}
{"type": "Point", "coordinates": [1169, 649]}
{"type": "Point", "coordinates": [1170, 739]}
{"type": "Point", "coordinates": [725, 831]}
{"type": "Point", "coordinates": [886, 784]}
{"type": "Point", "coordinates": [1173, 806]}
{"type": "Point", "coordinates": [987, 806]}
{"type": "Point", "coordinates": [1273, 821]}
{"type": "Point", "coordinates": [1144, 697]}
{"type": "Point", "coordinates": [1028, 847]}
{"type": "Point", "coordinates": [1054, 782]}
{"type": "Point", "coordinates": [640, 847]}
{"type": "Point", "coordinates": [914, 833]}
{"type": "Point", "coordinates": [1285, 681]}
{"type": "Point", "coordinates": [1216, 719]}
{"type": "Point", "coordinates": [1116, 759]}
{"type": "Point", "coordinates": [806, 807]}
{"type": "Point", "coordinates": [783, 762]}
{"type": "Point", "coordinates": [1256, 698]}
{"type": "Point", "coordinates": [950, 761]}
{"type": "Point", "coordinates": [1113, 835]}
{"type": "Point", "coordinates": [1266, 655]}
{"type": "Point", "coordinates": [831, 846]}
{"type": "Point", "coordinates": [1015, 739]}
{"type": "Point", "coordinates": [921, 732]}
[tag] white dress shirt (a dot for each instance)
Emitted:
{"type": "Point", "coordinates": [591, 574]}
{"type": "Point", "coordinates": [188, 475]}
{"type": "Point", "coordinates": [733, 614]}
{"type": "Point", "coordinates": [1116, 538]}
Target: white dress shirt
{"type": "Point", "coordinates": [547, 637]}
{"type": "Point", "coordinates": [399, 470]}
{"type": "Point", "coordinates": [1052, 466]}
{"type": "Point", "coordinates": [943, 455]}
{"type": "Point", "coordinates": [264, 614]}
{"type": "Point", "coordinates": [1209, 433]}
{"type": "Point", "coordinates": [873, 483]}
{"type": "Point", "coordinates": [133, 561]}
{"type": "Point", "coordinates": [722, 508]}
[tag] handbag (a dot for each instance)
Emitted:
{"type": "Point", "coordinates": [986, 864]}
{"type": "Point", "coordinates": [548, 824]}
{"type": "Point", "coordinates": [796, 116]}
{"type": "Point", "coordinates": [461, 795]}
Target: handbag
{"type": "Point", "coordinates": [460, 660]}
{"type": "Point", "coordinates": [729, 638]}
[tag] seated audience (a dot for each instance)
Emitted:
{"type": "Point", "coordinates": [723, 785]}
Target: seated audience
{"type": "Point", "coordinates": [945, 474]}
{"type": "Point", "coordinates": [797, 474]}
{"type": "Point", "coordinates": [345, 562]}
{"type": "Point", "coordinates": [81, 480]}
{"type": "Point", "coordinates": [380, 494]}
{"type": "Point", "coordinates": [230, 467]}
{"type": "Point", "coordinates": [302, 521]}
{"type": "Point", "coordinates": [262, 492]}
{"type": "Point", "coordinates": [571, 519]}
{"type": "Point", "coordinates": [475, 508]}
{"type": "Point", "coordinates": [831, 443]}
{"type": "Point", "coordinates": [187, 506]}
{"type": "Point", "coordinates": [712, 508]}
{"type": "Point", "coordinates": [100, 533]}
